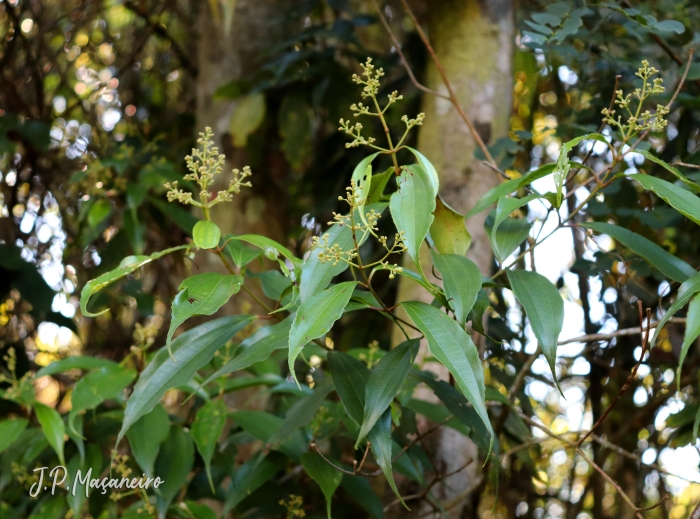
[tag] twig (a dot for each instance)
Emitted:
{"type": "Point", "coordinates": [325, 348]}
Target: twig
{"type": "Point", "coordinates": [632, 375]}
{"type": "Point", "coordinates": [364, 457]}
{"type": "Point", "coordinates": [596, 337]}
{"type": "Point", "coordinates": [685, 164]}
{"type": "Point", "coordinates": [448, 85]}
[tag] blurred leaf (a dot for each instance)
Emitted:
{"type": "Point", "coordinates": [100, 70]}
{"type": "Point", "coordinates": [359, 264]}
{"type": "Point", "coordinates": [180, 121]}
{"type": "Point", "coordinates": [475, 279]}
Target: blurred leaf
{"type": "Point", "coordinates": [194, 348]}
{"type": "Point", "coordinates": [448, 232]}
{"type": "Point", "coordinates": [99, 211]}
{"type": "Point", "coordinates": [206, 234]}
{"type": "Point", "coordinates": [200, 511]}
{"type": "Point", "coordinates": [53, 428]}
{"type": "Point", "coordinates": [173, 466]}
{"type": "Point", "coordinates": [675, 171]}
{"type": "Point", "coordinates": [294, 122]}
{"type": "Point", "coordinates": [692, 331]}
{"type": "Point", "coordinates": [544, 308]}
{"type": "Point", "coordinates": [384, 382]}
{"type": "Point", "coordinates": [686, 291]}
{"type": "Point", "coordinates": [462, 281]}
{"type": "Point", "coordinates": [315, 318]}
{"type": "Point", "coordinates": [247, 117]}
{"type": "Point", "coordinates": [10, 431]}
{"type": "Point", "coordinates": [673, 267]}
{"type": "Point", "coordinates": [145, 437]}
{"type": "Point", "coordinates": [327, 477]}
{"type": "Point", "coordinates": [250, 476]}
{"type": "Point", "coordinates": [269, 246]}
{"type": "Point", "coordinates": [262, 425]}
{"type": "Point", "coordinates": [75, 362]}
{"type": "Point", "coordinates": [206, 430]}
{"type": "Point", "coordinates": [361, 491]}
{"type": "Point", "coordinates": [182, 218]}
{"type": "Point", "coordinates": [202, 294]}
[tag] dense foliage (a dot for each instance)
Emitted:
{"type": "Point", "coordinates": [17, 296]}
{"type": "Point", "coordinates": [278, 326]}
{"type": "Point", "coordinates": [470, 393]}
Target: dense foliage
{"type": "Point", "coordinates": [238, 412]}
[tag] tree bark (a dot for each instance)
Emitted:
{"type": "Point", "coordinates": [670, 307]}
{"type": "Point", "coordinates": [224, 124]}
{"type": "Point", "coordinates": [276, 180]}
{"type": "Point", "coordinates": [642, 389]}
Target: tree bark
{"type": "Point", "coordinates": [474, 41]}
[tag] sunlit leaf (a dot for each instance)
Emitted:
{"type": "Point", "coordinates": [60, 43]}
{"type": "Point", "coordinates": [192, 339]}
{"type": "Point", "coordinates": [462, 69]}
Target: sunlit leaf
{"type": "Point", "coordinates": [680, 199]}
{"type": "Point", "coordinates": [448, 232]}
{"type": "Point", "coordinates": [206, 234]}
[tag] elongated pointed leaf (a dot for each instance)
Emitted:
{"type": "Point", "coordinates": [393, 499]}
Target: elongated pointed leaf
{"type": "Point", "coordinates": [379, 182]}
{"type": "Point", "coordinates": [173, 466]}
{"type": "Point", "coordinates": [202, 294]}
{"type": "Point", "coordinates": [252, 475]}
{"type": "Point", "coordinates": [361, 491]}
{"type": "Point", "coordinates": [671, 266]}
{"type": "Point", "coordinates": [301, 413]}
{"type": "Point", "coordinates": [327, 477]}
{"type": "Point", "coordinates": [453, 347]}
{"type": "Point", "coordinates": [429, 169]}
{"type": "Point", "coordinates": [564, 166]}
{"type": "Point", "coordinates": [680, 199]}
{"type": "Point", "coordinates": [194, 349]}
{"type": "Point", "coordinates": [686, 291]}
{"type": "Point", "coordinates": [350, 377]}
{"type": "Point", "coordinates": [511, 233]}
{"type": "Point", "coordinates": [506, 206]}
{"type": "Point", "coordinates": [10, 431]}
{"type": "Point", "coordinates": [316, 275]}
{"type": "Point", "coordinates": [380, 440]}
{"type": "Point", "coordinates": [315, 318]}
{"type": "Point", "coordinates": [412, 207]}
{"type": "Point", "coordinates": [262, 425]}
{"type": "Point", "coordinates": [146, 436]}
{"type": "Point", "coordinates": [384, 382]}
{"type": "Point", "coordinates": [206, 429]}
{"type": "Point", "coordinates": [673, 170]}
{"type": "Point", "coordinates": [127, 266]}
{"type": "Point", "coordinates": [462, 281]}
{"type": "Point", "coordinates": [544, 308]}
{"type": "Point", "coordinates": [256, 348]}
{"type": "Point", "coordinates": [362, 175]}
{"type": "Point", "coordinates": [270, 247]}
{"type": "Point", "coordinates": [692, 331]}
{"type": "Point", "coordinates": [448, 231]}
{"type": "Point", "coordinates": [75, 362]}
{"type": "Point", "coordinates": [53, 428]}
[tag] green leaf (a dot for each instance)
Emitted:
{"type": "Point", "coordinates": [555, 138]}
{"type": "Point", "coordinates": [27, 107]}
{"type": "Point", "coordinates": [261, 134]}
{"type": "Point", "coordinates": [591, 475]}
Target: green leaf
{"type": "Point", "coordinates": [462, 281]}
{"type": "Point", "coordinates": [563, 165]}
{"type": "Point", "coordinates": [294, 121]}
{"type": "Point", "coordinates": [99, 211]}
{"type": "Point", "coordinates": [247, 117]}
{"type": "Point", "coordinates": [506, 206]}
{"type": "Point", "coordinates": [421, 280]}
{"type": "Point", "coordinates": [456, 404]}
{"type": "Point", "coordinates": [262, 426]}
{"type": "Point", "coordinates": [362, 175]}
{"type": "Point", "coordinates": [680, 199]}
{"type": "Point", "coordinates": [194, 348]}
{"type": "Point", "coordinates": [453, 347]}
{"type": "Point", "coordinates": [239, 253]}
{"type": "Point", "coordinates": [692, 331]}
{"type": "Point", "coordinates": [686, 291]}
{"type": "Point", "coordinates": [511, 233]}
{"type": "Point", "coordinates": [315, 318]}
{"type": "Point", "coordinates": [448, 232]}
{"type": "Point", "coordinates": [53, 428]}
{"type": "Point", "coordinates": [675, 171]}
{"type": "Point", "coordinates": [173, 466]}
{"type": "Point", "coordinates": [200, 511]}
{"type": "Point", "coordinates": [429, 169]}
{"type": "Point", "coordinates": [270, 247]}
{"type": "Point", "coordinates": [182, 218]}
{"type": "Point", "coordinates": [412, 206]}
{"type": "Point", "coordinates": [206, 430]}
{"type": "Point", "coordinates": [301, 413]}
{"type": "Point", "coordinates": [92, 461]}
{"type": "Point", "coordinates": [206, 234]}
{"type": "Point", "coordinates": [315, 275]}
{"type": "Point", "coordinates": [98, 386]}
{"type": "Point", "coordinates": [380, 440]}
{"type": "Point", "coordinates": [252, 475]}
{"type": "Point", "coordinates": [10, 431]}
{"type": "Point", "coordinates": [202, 294]}
{"type": "Point", "coordinates": [127, 266]}
{"type": "Point", "coordinates": [670, 26]}
{"type": "Point", "coordinates": [671, 266]}
{"type": "Point", "coordinates": [145, 437]}
{"type": "Point", "coordinates": [544, 308]}
{"type": "Point", "coordinates": [361, 491]}
{"type": "Point", "coordinates": [384, 382]}
{"type": "Point", "coordinates": [327, 477]}
{"type": "Point", "coordinates": [256, 348]}
{"type": "Point", "coordinates": [75, 362]}
{"type": "Point", "coordinates": [350, 377]}
{"type": "Point", "coordinates": [508, 187]}
{"type": "Point", "coordinates": [379, 182]}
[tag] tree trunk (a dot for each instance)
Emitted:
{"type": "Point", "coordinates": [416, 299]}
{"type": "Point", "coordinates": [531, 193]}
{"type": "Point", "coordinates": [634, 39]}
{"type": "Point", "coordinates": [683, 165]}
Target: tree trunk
{"type": "Point", "coordinates": [474, 41]}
